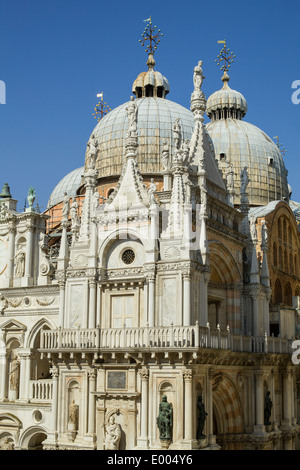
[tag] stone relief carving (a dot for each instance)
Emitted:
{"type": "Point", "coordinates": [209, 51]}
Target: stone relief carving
{"type": "Point", "coordinates": [172, 252]}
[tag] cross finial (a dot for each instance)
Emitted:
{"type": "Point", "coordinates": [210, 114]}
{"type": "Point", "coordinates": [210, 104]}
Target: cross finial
{"type": "Point", "coordinates": [150, 34]}
{"type": "Point", "coordinates": [225, 58]}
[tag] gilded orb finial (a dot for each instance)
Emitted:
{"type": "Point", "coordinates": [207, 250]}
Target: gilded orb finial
{"type": "Point", "coordinates": [225, 58]}
{"type": "Point", "coordinates": [153, 35]}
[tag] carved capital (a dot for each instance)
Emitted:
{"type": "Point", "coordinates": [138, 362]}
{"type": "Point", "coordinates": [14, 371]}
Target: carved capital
{"type": "Point", "coordinates": [187, 374]}
{"type": "Point", "coordinates": [144, 374]}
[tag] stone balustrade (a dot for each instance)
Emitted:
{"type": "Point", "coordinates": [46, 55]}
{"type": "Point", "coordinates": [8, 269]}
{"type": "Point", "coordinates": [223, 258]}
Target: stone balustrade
{"type": "Point", "coordinates": [41, 390]}
{"type": "Point", "coordinates": [183, 337]}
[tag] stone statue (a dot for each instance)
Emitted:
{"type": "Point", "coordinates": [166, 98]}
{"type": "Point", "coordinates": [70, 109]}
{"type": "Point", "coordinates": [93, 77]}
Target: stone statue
{"type": "Point", "coordinates": [95, 202]}
{"type": "Point", "coordinates": [151, 190]}
{"type": "Point", "coordinates": [73, 414]}
{"type": "Point", "coordinates": [177, 133]}
{"type": "Point", "coordinates": [165, 155]}
{"type": "Point", "coordinates": [7, 444]}
{"type": "Point", "coordinates": [203, 192]}
{"type": "Point", "coordinates": [112, 434]}
{"type": "Point", "coordinates": [131, 110]}
{"type": "Point", "coordinates": [165, 419]}
{"type": "Point", "coordinates": [31, 196]}
{"type": "Point", "coordinates": [201, 418]}
{"type": "Point", "coordinates": [92, 152]}
{"type": "Point", "coordinates": [244, 180]}
{"type": "Point", "coordinates": [253, 228]}
{"type": "Point", "coordinates": [188, 186]}
{"type": "Point", "coordinates": [14, 374]}
{"type": "Point", "coordinates": [3, 210]}
{"type": "Point", "coordinates": [66, 207]}
{"type": "Point", "coordinates": [185, 150]}
{"type": "Point", "coordinates": [267, 409]}
{"type": "Point", "coordinates": [74, 213]}
{"type": "Point", "coordinates": [198, 76]}
{"type": "Point", "coordinates": [20, 262]}
{"type": "Point", "coordinates": [229, 177]}
{"type": "Point", "coordinates": [264, 232]}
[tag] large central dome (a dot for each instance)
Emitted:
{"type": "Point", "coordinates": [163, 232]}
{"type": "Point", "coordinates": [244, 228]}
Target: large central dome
{"type": "Point", "coordinates": [154, 124]}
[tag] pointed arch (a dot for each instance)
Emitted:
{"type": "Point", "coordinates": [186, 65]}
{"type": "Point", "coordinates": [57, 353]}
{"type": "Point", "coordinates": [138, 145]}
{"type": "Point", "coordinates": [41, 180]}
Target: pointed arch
{"type": "Point", "coordinates": [36, 329]}
{"type": "Point", "coordinates": [227, 406]}
{"type": "Point", "coordinates": [223, 262]}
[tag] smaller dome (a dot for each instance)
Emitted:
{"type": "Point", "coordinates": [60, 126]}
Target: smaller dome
{"type": "Point", "coordinates": [69, 184]}
{"type": "Point", "coordinates": [226, 103]}
{"type": "Point", "coordinates": [150, 83]}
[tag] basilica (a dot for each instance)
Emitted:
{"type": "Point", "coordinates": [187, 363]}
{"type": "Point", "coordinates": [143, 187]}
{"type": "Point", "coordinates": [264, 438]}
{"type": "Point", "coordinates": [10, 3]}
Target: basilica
{"type": "Point", "coordinates": [154, 304]}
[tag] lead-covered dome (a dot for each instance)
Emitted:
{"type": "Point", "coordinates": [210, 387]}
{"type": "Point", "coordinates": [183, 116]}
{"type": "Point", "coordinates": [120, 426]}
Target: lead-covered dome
{"type": "Point", "coordinates": [155, 118]}
{"type": "Point", "coordinates": [243, 144]}
{"type": "Point", "coordinates": [68, 184]}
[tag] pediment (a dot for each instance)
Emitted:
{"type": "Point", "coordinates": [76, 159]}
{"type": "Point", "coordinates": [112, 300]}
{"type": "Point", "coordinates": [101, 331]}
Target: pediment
{"type": "Point", "coordinates": [13, 325]}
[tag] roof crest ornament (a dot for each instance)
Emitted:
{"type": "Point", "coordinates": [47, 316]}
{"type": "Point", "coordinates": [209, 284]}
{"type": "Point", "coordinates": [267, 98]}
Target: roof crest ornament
{"type": "Point", "coordinates": [150, 34]}
{"type": "Point", "coordinates": [225, 59]}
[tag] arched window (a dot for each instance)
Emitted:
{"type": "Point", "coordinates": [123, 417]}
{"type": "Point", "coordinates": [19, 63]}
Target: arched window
{"type": "Point", "coordinates": [291, 264]}
{"type": "Point", "coordinates": [290, 237]}
{"type": "Point", "coordinates": [284, 230]}
{"type": "Point", "coordinates": [277, 294]}
{"type": "Point", "coordinates": [279, 229]}
{"type": "Point", "coordinates": [280, 258]}
{"type": "Point", "coordinates": [288, 299]}
{"type": "Point", "coordinates": [274, 254]}
{"type": "Point", "coordinates": [286, 262]}
{"type": "Point", "coordinates": [295, 265]}
{"type": "Point", "coordinates": [109, 192]}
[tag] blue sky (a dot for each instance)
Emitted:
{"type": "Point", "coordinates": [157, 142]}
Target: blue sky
{"type": "Point", "coordinates": [55, 56]}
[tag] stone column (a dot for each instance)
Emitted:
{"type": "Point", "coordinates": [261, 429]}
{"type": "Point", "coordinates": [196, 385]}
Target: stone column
{"type": "Point", "coordinates": [151, 299]}
{"type": "Point", "coordinates": [28, 357]}
{"type": "Point", "coordinates": [11, 254]}
{"type": "Point", "coordinates": [22, 381]}
{"type": "Point", "coordinates": [143, 440]}
{"type": "Point", "coordinates": [273, 396]}
{"type": "Point", "coordinates": [293, 399]}
{"type": "Point", "coordinates": [92, 303]}
{"type": "Point", "coordinates": [186, 299]}
{"type": "Point", "coordinates": [188, 405]}
{"type": "Point", "coordinates": [259, 427]}
{"type": "Point", "coordinates": [210, 411]}
{"type": "Point", "coordinates": [29, 256]}
{"type": "Point", "coordinates": [286, 399]}
{"type": "Point", "coordinates": [255, 312]}
{"type": "Point", "coordinates": [54, 373]}
{"type": "Point", "coordinates": [3, 374]}
{"type": "Point", "coordinates": [92, 405]}
{"type": "Point", "coordinates": [62, 287]}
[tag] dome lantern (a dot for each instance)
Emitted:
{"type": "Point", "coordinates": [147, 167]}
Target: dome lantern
{"type": "Point", "coordinates": [151, 83]}
{"type": "Point", "coordinates": [226, 103]}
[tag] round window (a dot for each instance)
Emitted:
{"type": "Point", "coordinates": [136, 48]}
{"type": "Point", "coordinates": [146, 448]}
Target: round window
{"type": "Point", "coordinates": [128, 256]}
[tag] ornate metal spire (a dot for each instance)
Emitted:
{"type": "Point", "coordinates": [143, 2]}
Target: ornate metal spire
{"type": "Point", "coordinates": [101, 108]}
{"type": "Point", "coordinates": [150, 34]}
{"type": "Point", "coordinates": [225, 58]}
{"type": "Point", "coordinates": [280, 146]}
